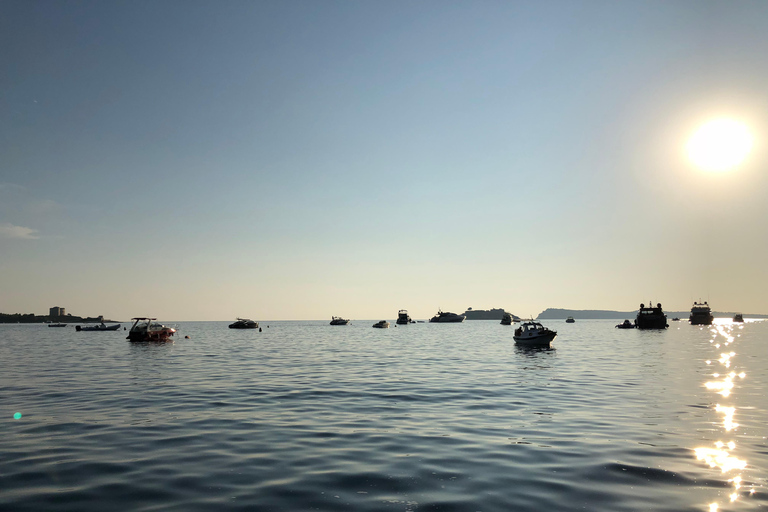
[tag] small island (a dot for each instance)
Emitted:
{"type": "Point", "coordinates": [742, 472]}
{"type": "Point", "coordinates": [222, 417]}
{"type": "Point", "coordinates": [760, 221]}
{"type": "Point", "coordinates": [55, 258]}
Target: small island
{"type": "Point", "coordinates": [487, 314]}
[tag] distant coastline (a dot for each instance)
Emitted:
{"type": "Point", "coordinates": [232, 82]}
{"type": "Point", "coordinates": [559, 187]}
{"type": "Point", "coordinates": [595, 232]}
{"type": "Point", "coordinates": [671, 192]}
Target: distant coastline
{"type": "Point", "coordinates": [601, 314]}
{"type": "Point", "coordinates": [30, 318]}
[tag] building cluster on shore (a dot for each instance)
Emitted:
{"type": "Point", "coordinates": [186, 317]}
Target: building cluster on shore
{"type": "Point", "coordinates": [56, 314]}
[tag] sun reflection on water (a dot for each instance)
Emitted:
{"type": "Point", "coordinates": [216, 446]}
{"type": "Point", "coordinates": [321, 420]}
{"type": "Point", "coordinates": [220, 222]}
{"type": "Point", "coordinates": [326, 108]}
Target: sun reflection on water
{"type": "Point", "coordinates": [721, 455]}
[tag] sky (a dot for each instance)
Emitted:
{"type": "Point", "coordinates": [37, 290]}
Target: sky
{"type": "Point", "coordinates": [287, 160]}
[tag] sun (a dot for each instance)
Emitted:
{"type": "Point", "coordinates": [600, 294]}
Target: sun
{"type": "Point", "coordinates": [720, 145]}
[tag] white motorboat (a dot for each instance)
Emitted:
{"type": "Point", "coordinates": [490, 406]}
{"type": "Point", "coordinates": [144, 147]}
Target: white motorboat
{"type": "Point", "coordinates": [145, 329]}
{"type": "Point", "coordinates": [533, 334]}
{"type": "Point", "coordinates": [383, 324]}
{"type": "Point", "coordinates": [337, 320]}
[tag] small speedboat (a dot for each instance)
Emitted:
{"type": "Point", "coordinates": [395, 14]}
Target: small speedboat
{"type": "Point", "coordinates": [383, 324]}
{"type": "Point", "coordinates": [56, 325]}
{"type": "Point", "coordinates": [533, 334]}
{"type": "Point", "coordinates": [507, 319]}
{"type": "Point", "coordinates": [97, 328]}
{"type": "Point", "coordinates": [738, 317]}
{"type": "Point", "coordinates": [626, 325]}
{"type": "Point", "coordinates": [570, 320]}
{"type": "Point", "coordinates": [244, 323]}
{"type": "Point", "coordinates": [146, 329]}
{"type": "Point", "coordinates": [337, 320]}
{"type": "Point", "coordinates": [445, 317]}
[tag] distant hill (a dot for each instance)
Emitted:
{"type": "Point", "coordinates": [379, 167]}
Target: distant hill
{"type": "Point", "coordinates": [595, 314]}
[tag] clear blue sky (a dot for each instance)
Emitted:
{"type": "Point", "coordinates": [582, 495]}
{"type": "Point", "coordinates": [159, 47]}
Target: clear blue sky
{"type": "Point", "coordinates": [300, 159]}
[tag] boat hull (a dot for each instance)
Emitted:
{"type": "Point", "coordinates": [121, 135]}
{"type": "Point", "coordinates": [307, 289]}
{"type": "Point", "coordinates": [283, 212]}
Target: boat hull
{"type": "Point", "coordinates": [150, 336]}
{"type": "Point", "coordinates": [243, 326]}
{"type": "Point", "coordinates": [536, 340]}
{"type": "Point", "coordinates": [701, 319]}
{"type": "Point", "coordinates": [652, 322]}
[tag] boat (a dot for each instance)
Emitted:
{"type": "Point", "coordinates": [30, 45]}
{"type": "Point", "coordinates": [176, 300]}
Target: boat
{"type": "Point", "coordinates": [701, 314]}
{"type": "Point", "coordinates": [651, 317]}
{"type": "Point", "coordinates": [738, 318]}
{"type": "Point", "coordinates": [570, 320]}
{"type": "Point", "coordinates": [97, 328]}
{"type": "Point", "coordinates": [337, 320]}
{"type": "Point", "coordinates": [626, 325]}
{"type": "Point", "coordinates": [507, 319]}
{"type": "Point", "coordinates": [54, 325]}
{"type": "Point", "coordinates": [446, 317]}
{"type": "Point", "coordinates": [244, 323]}
{"type": "Point", "coordinates": [675, 319]}
{"type": "Point", "coordinates": [533, 334]}
{"type": "Point", "coordinates": [145, 329]}
{"type": "Point", "coordinates": [383, 324]}
{"type": "Point", "coordinates": [404, 318]}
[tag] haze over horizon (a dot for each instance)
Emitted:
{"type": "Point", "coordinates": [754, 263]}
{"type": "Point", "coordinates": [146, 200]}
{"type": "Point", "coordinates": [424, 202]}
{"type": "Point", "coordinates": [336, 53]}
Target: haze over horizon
{"type": "Point", "coordinates": [297, 160]}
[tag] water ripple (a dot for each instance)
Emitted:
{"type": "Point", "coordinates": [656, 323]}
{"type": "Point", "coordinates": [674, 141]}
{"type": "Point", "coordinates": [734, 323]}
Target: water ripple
{"type": "Point", "coordinates": [424, 417]}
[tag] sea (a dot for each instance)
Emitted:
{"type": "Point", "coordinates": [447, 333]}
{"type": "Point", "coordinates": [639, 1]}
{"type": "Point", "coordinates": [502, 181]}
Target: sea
{"type": "Point", "coordinates": [422, 417]}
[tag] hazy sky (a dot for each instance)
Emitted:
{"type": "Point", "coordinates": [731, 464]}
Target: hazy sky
{"type": "Point", "coordinates": [300, 159]}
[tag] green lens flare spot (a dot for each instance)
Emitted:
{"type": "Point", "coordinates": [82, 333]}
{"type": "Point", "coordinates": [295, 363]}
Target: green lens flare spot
{"type": "Point", "coordinates": [17, 416]}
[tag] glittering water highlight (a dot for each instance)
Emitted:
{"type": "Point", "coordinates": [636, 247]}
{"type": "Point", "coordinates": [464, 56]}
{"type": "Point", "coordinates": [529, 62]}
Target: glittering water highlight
{"type": "Point", "coordinates": [723, 454]}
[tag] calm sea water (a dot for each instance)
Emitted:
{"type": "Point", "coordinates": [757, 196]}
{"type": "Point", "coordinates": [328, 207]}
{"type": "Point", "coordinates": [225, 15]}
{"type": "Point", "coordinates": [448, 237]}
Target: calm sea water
{"type": "Point", "coordinates": [424, 417]}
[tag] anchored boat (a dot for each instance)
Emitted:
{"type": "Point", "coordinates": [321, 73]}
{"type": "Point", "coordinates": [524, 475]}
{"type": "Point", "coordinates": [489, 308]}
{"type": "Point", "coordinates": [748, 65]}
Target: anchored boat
{"type": "Point", "coordinates": [337, 320]}
{"type": "Point", "coordinates": [701, 314]}
{"type": "Point", "coordinates": [651, 317]}
{"type": "Point", "coordinates": [244, 323]}
{"type": "Point", "coordinates": [383, 324]}
{"type": "Point", "coordinates": [445, 317]}
{"type": "Point", "coordinates": [404, 318]}
{"type": "Point", "coordinates": [534, 334]}
{"type": "Point", "coordinates": [97, 328]}
{"type": "Point", "coordinates": [145, 329]}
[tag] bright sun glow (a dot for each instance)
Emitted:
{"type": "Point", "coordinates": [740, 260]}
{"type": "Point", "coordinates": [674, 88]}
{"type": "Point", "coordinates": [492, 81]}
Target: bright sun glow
{"type": "Point", "coordinates": [720, 145]}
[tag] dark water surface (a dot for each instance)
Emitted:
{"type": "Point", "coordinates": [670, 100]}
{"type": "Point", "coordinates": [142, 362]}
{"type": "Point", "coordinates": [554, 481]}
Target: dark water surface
{"type": "Point", "coordinates": [450, 417]}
